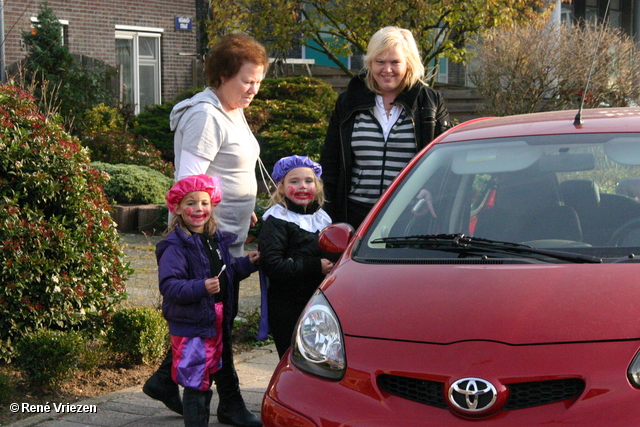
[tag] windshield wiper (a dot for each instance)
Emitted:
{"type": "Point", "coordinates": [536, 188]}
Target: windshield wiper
{"type": "Point", "coordinates": [631, 258]}
{"type": "Point", "coordinates": [461, 243]}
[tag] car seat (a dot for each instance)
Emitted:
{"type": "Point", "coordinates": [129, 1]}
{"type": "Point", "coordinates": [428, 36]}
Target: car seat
{"type": "Point", "coordinates": [528, 206]}
{"type": "Point", "coordinates": [583, 195]}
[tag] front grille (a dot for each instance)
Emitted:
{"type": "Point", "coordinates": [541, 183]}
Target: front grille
{"type": "Point", "coordinates": [522, 395]}
{"type": "Point", "coordinates": [422, 391]}
{"type": "Point", "coordinates": [525, 395]}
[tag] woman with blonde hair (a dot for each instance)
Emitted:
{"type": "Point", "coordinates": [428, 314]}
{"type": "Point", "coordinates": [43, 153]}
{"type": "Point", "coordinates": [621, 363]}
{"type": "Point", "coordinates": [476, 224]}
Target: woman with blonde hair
{"type": "Point", "coordinates": [386, 115]}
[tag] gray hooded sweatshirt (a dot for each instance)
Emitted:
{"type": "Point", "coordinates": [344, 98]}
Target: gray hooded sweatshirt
{"type": "Point", "coordinates": [203, 129]}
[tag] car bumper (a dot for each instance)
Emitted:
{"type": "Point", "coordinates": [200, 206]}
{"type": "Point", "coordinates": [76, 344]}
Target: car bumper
{"type": "Point", "coordinates": [295, 398]}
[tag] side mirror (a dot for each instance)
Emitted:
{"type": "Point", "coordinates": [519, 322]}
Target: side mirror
{"type": "Point", "coordinates": [335, 237]}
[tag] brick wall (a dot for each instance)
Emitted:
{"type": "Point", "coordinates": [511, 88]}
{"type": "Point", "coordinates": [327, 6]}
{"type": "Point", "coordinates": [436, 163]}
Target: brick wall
{"type": "Point", "coordinates": [91, 32]}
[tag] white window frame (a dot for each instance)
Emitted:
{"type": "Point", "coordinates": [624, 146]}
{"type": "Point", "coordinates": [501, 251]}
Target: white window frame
{"type": "Point", "coordinates": [134, 33]}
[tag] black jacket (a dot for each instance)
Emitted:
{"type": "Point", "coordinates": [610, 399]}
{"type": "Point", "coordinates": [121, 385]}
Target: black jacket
{"type": "Point", "coordinates": [423, 104]}
{"type": "Point", "coordinates": [290, 258]}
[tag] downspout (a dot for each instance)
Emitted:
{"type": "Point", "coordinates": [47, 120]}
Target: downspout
{"type": "Point", "coordinates": [2, 54]}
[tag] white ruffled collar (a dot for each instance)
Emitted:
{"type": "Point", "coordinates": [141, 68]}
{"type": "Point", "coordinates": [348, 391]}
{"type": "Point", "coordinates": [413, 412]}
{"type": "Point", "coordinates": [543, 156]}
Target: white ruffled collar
{"type": "Point", "coordinates": [309, 222]}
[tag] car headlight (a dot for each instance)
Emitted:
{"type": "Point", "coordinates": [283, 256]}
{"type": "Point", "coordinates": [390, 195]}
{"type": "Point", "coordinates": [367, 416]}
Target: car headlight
{"type": "Point", "coordinates": [318, 343]}
{"type": "Point", "coordinates": [633, 372]}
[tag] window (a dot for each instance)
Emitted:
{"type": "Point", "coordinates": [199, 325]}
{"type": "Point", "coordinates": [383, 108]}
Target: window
{"type": "Point", "coordinates": [566, 15]}
{"type": "Point", "coordinates": [591, 11]}
{"type": "Point", "coordinates": [615, 14]}
{"type": "Point", "coordinates": [138, 62]}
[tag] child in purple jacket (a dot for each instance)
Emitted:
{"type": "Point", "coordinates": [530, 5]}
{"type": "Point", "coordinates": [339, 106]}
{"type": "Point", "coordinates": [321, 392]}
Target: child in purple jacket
{"type": "Point", "coordinates": [196, 294]}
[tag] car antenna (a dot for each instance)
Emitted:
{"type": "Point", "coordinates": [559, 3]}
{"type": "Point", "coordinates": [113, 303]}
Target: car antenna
{"type": "Point", "coordinates": [578, 119]}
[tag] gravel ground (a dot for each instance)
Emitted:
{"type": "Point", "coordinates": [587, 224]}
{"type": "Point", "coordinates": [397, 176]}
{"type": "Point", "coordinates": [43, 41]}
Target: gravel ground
{"type": "Point", "coordinates": [142, 286]}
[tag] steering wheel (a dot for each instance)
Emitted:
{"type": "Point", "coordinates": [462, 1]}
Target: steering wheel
{"type": "Point", "coordinates": [626, 231]}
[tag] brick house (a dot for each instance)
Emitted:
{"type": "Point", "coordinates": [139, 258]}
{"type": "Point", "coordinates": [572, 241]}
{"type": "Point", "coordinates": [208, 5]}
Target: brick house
{"type": "Point", "coordinates": [152, 44]}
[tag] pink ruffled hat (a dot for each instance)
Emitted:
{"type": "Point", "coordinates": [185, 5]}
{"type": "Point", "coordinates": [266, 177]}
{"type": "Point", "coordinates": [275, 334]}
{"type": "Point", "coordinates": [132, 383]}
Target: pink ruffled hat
{"type": "Point", "coordinates": [193, 183]}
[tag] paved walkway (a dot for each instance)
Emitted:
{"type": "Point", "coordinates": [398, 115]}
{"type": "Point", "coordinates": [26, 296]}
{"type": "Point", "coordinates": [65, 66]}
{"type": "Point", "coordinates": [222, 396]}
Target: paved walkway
{"type": "Point", "coordinates": [131, 407]}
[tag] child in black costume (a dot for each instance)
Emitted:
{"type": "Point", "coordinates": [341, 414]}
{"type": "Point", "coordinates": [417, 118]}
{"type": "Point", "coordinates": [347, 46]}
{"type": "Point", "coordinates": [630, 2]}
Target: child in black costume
{"type": "Point", "coordinates": [289, 254]}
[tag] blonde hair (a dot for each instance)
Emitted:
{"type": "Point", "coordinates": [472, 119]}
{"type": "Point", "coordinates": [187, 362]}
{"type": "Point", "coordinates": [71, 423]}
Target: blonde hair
{"type": "Point", "coordinates": [278, 196]}
{"type": "Point", "coordinates": [388, 38]}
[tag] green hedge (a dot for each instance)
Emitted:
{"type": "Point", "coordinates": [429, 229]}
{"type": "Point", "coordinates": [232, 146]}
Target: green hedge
{"type": "Point", "coordinates": [139, 334]}
{"type": "Point", "coordinates": [132, 184]}
{"type": "Point", "coordinates": [47, 358]}
{"type": "Point", "coordinates": [290, 116]}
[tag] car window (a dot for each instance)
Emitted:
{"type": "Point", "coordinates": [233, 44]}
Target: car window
{"type": "Point", "coordinates": [575, 193]}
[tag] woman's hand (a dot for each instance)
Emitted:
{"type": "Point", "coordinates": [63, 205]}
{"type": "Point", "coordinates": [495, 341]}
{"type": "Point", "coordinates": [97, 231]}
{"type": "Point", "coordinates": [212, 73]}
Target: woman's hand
{"type": "Point", "coordinates": [212, 285]}
{"type": "Point", "coordinates": [254, 219]}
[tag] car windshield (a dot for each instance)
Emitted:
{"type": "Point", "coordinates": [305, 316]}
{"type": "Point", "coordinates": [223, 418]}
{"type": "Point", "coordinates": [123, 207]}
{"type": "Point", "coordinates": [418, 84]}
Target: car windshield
{"type": "Point", "coordinates": [573, 194]}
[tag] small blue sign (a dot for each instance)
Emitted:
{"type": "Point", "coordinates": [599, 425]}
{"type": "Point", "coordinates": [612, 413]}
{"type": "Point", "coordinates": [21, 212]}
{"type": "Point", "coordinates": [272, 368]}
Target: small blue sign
{"type": "Point", "coordinates": [184, 23]}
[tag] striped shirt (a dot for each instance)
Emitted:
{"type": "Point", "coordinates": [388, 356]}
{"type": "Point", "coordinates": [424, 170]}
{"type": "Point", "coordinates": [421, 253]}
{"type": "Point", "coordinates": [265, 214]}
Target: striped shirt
{"type": "Point", "coordinates": [378, 161]}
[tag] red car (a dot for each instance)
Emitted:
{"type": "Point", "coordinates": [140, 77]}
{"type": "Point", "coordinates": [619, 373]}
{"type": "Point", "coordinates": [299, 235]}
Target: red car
{"type": "Point", "coordinates": [516, 302]}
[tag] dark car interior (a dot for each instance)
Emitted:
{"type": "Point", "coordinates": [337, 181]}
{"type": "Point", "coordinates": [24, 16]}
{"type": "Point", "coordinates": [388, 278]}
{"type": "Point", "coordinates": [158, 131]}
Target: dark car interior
{"type": "Point", "coordinates": [535, 206]}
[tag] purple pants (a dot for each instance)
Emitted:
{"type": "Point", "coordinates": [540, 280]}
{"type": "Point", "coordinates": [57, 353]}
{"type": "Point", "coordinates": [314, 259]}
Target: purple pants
{"type": "Point", "coordinates": [195, 359]}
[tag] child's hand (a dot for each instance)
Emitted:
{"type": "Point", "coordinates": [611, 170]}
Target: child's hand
{"type": "Point", "coordinates": [212, 285]}
{"type": "Point", "coordinates": [326, 266]}
{"type": "Point", "coordinates": [254, 257]}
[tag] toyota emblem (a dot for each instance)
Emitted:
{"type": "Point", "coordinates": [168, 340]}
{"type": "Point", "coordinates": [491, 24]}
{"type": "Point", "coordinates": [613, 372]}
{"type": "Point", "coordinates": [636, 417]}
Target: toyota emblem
{"type": "Point", "coordinates": [472, 395]}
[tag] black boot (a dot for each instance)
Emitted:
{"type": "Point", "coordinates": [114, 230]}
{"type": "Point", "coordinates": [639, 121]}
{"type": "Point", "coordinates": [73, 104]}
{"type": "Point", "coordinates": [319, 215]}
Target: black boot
{"type": "Point", "coordinates": [239, 416]}
{"type": "Point", "coordinates": [231, 408]}
{"type": "Point", "coordinates": [161, 387]}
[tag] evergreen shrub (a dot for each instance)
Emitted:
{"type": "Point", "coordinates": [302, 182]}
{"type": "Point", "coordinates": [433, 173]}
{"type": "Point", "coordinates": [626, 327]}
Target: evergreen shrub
{"type": "Point", "coordinates": [102, 119]}
{"type": "Point", "coordinates": [291, 116]}
{"type": "Point", "coordinates": [153, 124]}
{"type": "Point", "coordinates": [117, 147]}
{"type": "Point", "coordinates": [61, 263]}
{"type": "Point", "coordinates": [139, 334]}
{"type": "Point", "coordinates": [131, 184]}
{"type": "Point", "coordinates": [80, 83]}
{"type": "Point", "coordinates": [6, 388]}
{"type": "Point", "coordinates": [47, 358]}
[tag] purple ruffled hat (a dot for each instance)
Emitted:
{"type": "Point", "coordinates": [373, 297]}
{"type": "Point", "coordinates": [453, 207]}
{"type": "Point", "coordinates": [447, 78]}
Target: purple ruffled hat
{"type": "Point", "coordinates": [285, 164]}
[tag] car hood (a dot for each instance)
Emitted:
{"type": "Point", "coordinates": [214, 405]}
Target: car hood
{"type": "Point", "coordinates": [514, 304]}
